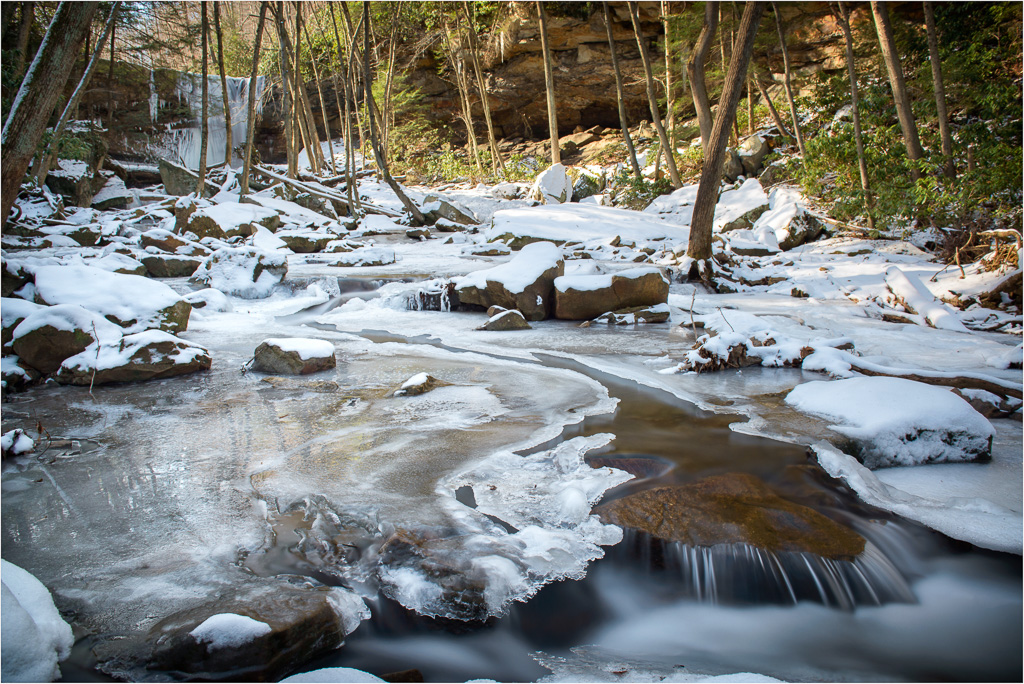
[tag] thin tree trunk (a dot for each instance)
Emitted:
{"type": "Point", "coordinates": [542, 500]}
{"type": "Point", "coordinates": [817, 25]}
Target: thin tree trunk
{"type": "Point", "coordinates": [670, 115]}
{"type": "Point", "coordinates": [204, 129]}
{"type": "Point", "coordinates": [940, 90]}
{"type": "Point", "coordinates": [110, 82]}
{"type": "Point", "coordinates": [354, 65]}
{"type": "Point", "coordinates": [314, 150]}
{"type": "Point", "coordinates": [695, 70]}
{"type": "Point", "coordinates": [28, 13]}
{"type": "Point", "coordinates": [844, 23]}
{"type": "Point", "coordinates": [39, 92]}
{"type": "Point", "coordinates": [549, 86]}
{"type": "Point", "coordinates": [789, 89]}
{"type": "Point", "coordinates": [223, 84]}
{"type": "Point", "coordinates": [463, 88]}
{"type": "Point", "coordinates": [645, 56]}
{"type": "Point", "coordinates": [623, 123]}
{"type": "Point", "coordinates": [250, 115]}
{"type": "Point", "coordinates": [750, 104]}
{"type": "Point", "coordinates": [699, 247]}
{"type": "Point", "coordinates": [350, 153]}
{"type": "Point", "coordinates": [496, 161]}
{"type": "Point", "coordinates": [899, 87]}
{"type": "Point", "coordinates": [771, 107]}
{"type": "Point", "coordinates": [290, 132]}
{"type": "Point", "coordinates": [49, 156]}
{"type": "Point", "coordinates": [374, 138]}
{"type": "Point", "coordinates": [323, 107]}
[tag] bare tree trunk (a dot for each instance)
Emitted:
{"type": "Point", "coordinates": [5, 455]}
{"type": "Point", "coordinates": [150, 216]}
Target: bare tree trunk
{"type": "Point", "coordinates": [652, 101]}
{"type": "Point", "coordinates": [354, 66]}
{"type": "Point", "coordinates": [750, 104]}
{"type": "Point", "coordinates": [350, 154]}
{"type": "Point", "coordinates": [28, 13]}
{"type": "Point", "coordinates": [695, 70]}
{"type": "Point", "coordinates": [314, 151]}
{"type": "Point", "coordinates": [204, 129]}
{"type": "Point", "coordinates": [789, 88]}
{"type": "Point", "coordinates": [699, 247]}
{"type": "Point", "coordinates": [898, 85]}
{"type": "Point", "coordinates": [250, 116]}
{"type": "Point", "coordinates": [623, 123]}
{"type": "Point", "coordinates": [940, 90]}
{"type": "Point", "coordinates": [844, 23]}
{"type": "Point", "coordinates": [496, 161]}
{"type": "Point", "coordinates": [378, 153]}
{"type": "Point", "coordinates": [47, 159]}
{"type": "Point", "coordinates": [549, 86]}
{"type": "Point", "coordinates": [223, 84]}
{"type": "Point", "coordinates": [38, 95]}
{"type": "Point", "coordinates": [670, 101]}
{"type": "Point", "coordinates": [290, 132]}
{"type": "Point", "coordinates": [462, 86]}
{"type": "Point", "coordinates": [110, 82]}
{"type": "Point", "coordinates": [771, 107]}
{"type": "Point", "coordinates": [323, 107]}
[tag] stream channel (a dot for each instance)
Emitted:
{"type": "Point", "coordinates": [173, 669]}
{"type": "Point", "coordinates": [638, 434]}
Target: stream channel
{"type": "Point", "coordinates": [155, 497]}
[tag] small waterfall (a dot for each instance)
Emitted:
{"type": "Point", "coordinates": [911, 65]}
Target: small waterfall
{"type": "Point", "coordinates": [742, 574]}
{"type": "Point", "coordinates": [183, 144]}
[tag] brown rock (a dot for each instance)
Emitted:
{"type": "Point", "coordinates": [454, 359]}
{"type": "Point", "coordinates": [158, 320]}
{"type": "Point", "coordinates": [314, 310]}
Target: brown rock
{"type": "Point", "coordinates": [632, 288]}
{"type": "Point", "coordinates": [272, 358]}
{"type": "Point", "coordinates": [732, 509]}
{"type": "Point", "coordinates": [170, 265]}
{"type": "Point", "coordinates": [506, 320]}
{"type": "Point", "coordinates": [154, 355]}
{"type": "Point", "coordinates": [534, 301]}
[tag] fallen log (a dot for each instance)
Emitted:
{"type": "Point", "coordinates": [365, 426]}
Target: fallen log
{"type": "Point", "coordinates": [325, 194]}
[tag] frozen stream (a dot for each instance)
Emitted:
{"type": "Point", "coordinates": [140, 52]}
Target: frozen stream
{"type": "Point", "coordinates": [231, 488]}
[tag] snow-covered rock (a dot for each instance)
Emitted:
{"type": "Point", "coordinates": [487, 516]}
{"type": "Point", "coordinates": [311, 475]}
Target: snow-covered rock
{"type": "Point", "coordinates": [916, 298]}
{"type": "Point", "coordinates": [508, 319]}
{"type": "Point", "coordinates": [14, 310]}
{"type": "Point", "coordinates": [526, 282]}
{"type": "Point", "coordinates": [331, 675]}
{"type": "Point", "coordinates": [34, 637]}
{"type": "Point", "coordinates": [787, 219]}
{"type": "Point", "coordinates": [752, 152]}
{"type": "Point", "coordinates": [367, 256]}
{"type": "Point", "coordinates": [579, 223]}
{"type": "Point", "coordinates": [293, 356]}
{"type": "Point", "coordinates": [738, 209]}
{"type": "Point", "coordinates": [552, 186]}
{"type": "Point", "coordinates": [231, 218]}
{"type": "Point", "coordinates": [134, 302]}
{"type": "Point", "coordinates": [15, 443]}
{"type": "Point", "coordinates": [245, 272]}
{"type": "Point", "coordinates": [51, 334]}
{"type": "Point", "coordinates": [229, 630]}
{"type": "Point", "coordinates": [113, 195]}
{"type": "Point", "coordinates": [436, 207]}
{"type": "Point", "coordinates": [894, 421]}
{"type": "Point", "coordinates": [148, 355]}
{"type": "Point", "coordinates": [305, 241]}
{"type": "Point", "coordinates": [582, 297]}
{"type": "Point", "coordinates": [116, 262]}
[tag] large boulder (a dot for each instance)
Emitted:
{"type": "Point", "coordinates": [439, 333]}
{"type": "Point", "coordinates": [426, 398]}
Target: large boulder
{"type": "Point", "coordinates": [504, 320]}
{"type": "Point", "coordinates": [293, 356]}
{"type": "Point", "coordinates": [752, 152]}
{"type": "Point", "coordinates": [229, 219]}
{"type": "Point", "coordinates": [44, 338]}
{"type": "Point", "coordinates": [133, 302]}
{"type": "Point", "coordinates": [143, 356]}
{"type": "Point", "coordinates": [526, 282]}
{"type": "Point", "coordinates": [13, 311]}
{"type": "Point", "coordinates": [552, 186]}
{"type": "Point", "coordinates": [739, 208]}
{"type": "Point", "coordinates": [305, 241]}
{"type": "Point", "coordinates": [367, 256]}
{"type": "Point", "coordinates": [585, 184]}
{"type": "Point", "coordinates": [584, 297]}
{"type": "Point", "coordinates": [245, 272]}
{"type": "Point", "coordinates": [170, 265]}
{"type": "Point", "coordinates": [435, 208]}
{"type": "Point", "coordinates": [75, 181]}
{"type": "Point", "coordinates": [788, 219]}
{"type": "Point", "coordinates": [180, 181]}
{"type": "Point", "coordinates": [733, 167]}
{"type": "Point", "coordinates": [113, 195]}
{"type": "Point", "coordinates": [735, 508]}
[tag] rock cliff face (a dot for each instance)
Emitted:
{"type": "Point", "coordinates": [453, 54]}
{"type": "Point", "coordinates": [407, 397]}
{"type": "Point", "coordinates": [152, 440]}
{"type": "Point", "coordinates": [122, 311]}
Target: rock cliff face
{"type": "Point", "coordinates": [514, 75]}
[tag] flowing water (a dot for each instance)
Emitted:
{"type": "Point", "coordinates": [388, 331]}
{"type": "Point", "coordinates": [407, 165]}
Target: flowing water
{"type": "Point", "coordinates": [155, 496]}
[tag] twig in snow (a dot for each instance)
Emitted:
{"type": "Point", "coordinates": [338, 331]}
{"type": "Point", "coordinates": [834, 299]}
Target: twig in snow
{"type": "Point", "coordinates": [96, 365]}
{"type": "Point", "coordinates": [726, 320]}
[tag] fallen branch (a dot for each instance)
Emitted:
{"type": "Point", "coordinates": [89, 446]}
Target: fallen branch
{"type": "Point", "coordinates": [333, 197]}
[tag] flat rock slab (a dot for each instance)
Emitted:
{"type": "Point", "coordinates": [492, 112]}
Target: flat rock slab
{"type": "Point", "coordinates": [294, 356]}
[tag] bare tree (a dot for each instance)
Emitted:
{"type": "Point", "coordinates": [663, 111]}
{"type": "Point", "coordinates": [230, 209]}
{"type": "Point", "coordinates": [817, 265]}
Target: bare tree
{"type": "Point", "coordinates": [899, 86]}
{"type": "Point", "coordinates": [38, 95]}
{"type": "Point", "coordinates": [250, 117]}
{"type": "Point", "coordinates": [549, 85]}
{"type": "Point", "coordinates": [320, 96]}
{"type": "Point", "coordinates": [204, 129]}
{"type": "Point", "coordinates": [787, 81]}
{"type": "Point", "coordinates": [496, 161]}
{"type": "Point", "coordinates": [699, 248]}
{"type": "Point", "coordinates": [940, 90]}
{"type": "Point", "coordinates": [374, 137]}
{"type": "Point", "coordinates": [462, 86]}
{"type": "Point", "coordinates": [223, 83]}
{"type": "Point", "coordinates": [350, 151]}
{"type": "Point", "coordinates": [652, 100]}
{"type": "Point", "coordinates": [24, 32]}
{"type": "Point", "coordinates": [771, 106]}
{"type": "Point", "coordinates": [865, 184]}
{"type": "Point", "coordinates": [47, 159]}
{"type": "Point", "coordinates": [623, 123]}
{"type": "Point", "coordinates": [695, 70]}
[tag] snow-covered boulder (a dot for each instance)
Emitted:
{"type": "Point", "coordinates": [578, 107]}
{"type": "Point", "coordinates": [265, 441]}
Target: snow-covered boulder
{"type": "Point", "coordinates": [344, 245]}
{"type": "Point", "coordinates": [898, 422]}
{"type": "Point", "coordinates": [162, 240]}
{"type": "Point", "coordinates": [170, 265]}
{"type": "Point", "coordinates": [585, 183]}
{"type": "Point", "coordinates": [506, 190]}
{"type": "Point", "coordinates": [116, 262]}
{"type": "Point", "coordinates": [75, 181]}
{"type": "Point", "coordinates": [229, 219]}
{"type": "Point", "coordinates": [208, 299]}
{"type": "Point", "coordinates": [583, 297]}
{"type": "Point", "coordinates": [134, 302]}
{"type": "Point", "coordinates": [552, 186]}
{"type": "Point", "coordinates": [293, 356]}
{"type": "Point", "coordinates": [435, 207]}
{"type": "Point", "coordinates": [13, 311]}
{"type": "Point", "coordinates": [738, 209]}
{"type": "Point", "coordinates": [788, 220]}
{"type": "Point", "coordinates": [367, 256]}
{"type": "Point", "coordinates": [113, 195]}
{"type": "Point", "coordinates": [526, 282]}
{"type": "Point", "coordinates": [305, 241]}
{"type": "Point", "coordinates": [245, 272]}
{"type": "Point", "coordinates": [180, 181]}
{"type": "Point", "coordinates": [143, 356]}
{"type": "Point", "coordinates": [48, 336]}
{"type": "Point", "coordinates": [752, 152]}
{"type": "Point", "coordinates": [34, 637]}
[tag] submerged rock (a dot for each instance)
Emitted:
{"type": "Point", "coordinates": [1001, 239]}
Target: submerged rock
{"type": "Point", "coordinates": [731, 509]}
{"type": "Point", "coordinates": [421, 383]}
{"type": "Point", "coordinates": [294, 356]}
